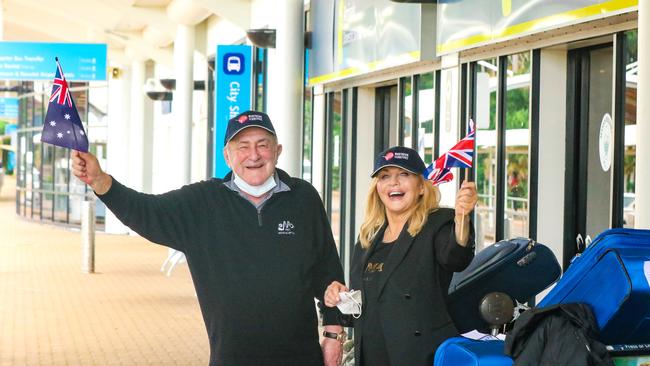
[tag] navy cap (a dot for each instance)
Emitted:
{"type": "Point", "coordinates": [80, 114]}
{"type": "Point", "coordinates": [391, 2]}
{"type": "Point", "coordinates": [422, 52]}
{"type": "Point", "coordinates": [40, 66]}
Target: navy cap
{"type": "Point", "coordinates": [400, 157]}
{"type": "Point", "coordinates": [245, 120]}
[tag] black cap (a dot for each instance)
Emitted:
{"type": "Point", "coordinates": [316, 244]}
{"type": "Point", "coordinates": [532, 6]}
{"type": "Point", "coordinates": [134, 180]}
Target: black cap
{"type": "Point", "coordinates": [245, 120]}
{"type": "Point", "coordinates": [400, 157]}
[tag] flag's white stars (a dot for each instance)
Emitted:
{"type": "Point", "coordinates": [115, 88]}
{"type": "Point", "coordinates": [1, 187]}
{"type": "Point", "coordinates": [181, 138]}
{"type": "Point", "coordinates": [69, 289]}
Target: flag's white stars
{"type": "Point", "coordinates": [68, 132]}
{"type": "Point", "coordinates": [52, 123]}
{"type": "Point", "coordinates": [81, 132]}
{"type": "Point", "coordinates": [59, 135]}
{"type": "Point", "coordinates": [66, 116]}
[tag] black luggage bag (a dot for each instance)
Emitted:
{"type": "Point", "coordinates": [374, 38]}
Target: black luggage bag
{"type": "Point", "coordinates": [520, 268]}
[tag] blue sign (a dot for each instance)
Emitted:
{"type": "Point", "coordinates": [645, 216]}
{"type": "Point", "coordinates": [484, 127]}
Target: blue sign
{"type": "Point", "coordinates": [9, 108]}
{"type": "Point", "coordinates": [233, 95]}
{"type": "Point", "coordinates": [35, 61]}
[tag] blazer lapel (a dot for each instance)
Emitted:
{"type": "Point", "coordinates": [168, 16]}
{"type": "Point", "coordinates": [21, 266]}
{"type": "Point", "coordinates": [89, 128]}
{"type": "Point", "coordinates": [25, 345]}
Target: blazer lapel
{"type": "Point", "coordinates": [397, 254]}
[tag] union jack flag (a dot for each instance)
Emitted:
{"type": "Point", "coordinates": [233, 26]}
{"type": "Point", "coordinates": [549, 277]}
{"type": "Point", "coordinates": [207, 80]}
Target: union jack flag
{"type": "Point", "coordinates": [60, 90]}
{"type": "Point", "coordinates": [460, 155]}
{"type": "Point", "coordinates": [62, 125]}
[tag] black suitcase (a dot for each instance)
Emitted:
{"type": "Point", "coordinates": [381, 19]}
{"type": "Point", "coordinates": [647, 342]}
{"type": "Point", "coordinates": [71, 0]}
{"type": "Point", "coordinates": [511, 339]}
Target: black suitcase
{"type": "Point", "coordinates": [518, 267]}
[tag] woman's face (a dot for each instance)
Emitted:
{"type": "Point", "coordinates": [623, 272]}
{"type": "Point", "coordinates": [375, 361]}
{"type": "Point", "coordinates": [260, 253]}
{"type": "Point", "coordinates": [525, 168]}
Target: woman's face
{"type": "Point", "coordinates": [398, 189]}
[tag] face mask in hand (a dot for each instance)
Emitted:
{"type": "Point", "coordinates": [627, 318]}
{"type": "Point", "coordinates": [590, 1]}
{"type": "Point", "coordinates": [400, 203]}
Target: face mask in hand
{"type": "Point", "coordinates": [255, 191]}
{"type": "Point", "coordinates": [350, 303]}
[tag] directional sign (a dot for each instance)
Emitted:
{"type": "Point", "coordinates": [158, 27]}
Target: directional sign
{"type": "Point", "coordinates": [35, 61]}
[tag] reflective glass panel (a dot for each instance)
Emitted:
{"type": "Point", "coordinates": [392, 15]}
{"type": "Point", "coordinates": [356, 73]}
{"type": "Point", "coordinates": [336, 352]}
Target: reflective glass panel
{"type": "Point", "coordinates": [407, 118]}
{"type": "Point", "coordinates": [629, 160]}
{"type": "Point", "coordinates": [426, 112]}
{"type": "Point", "coordinates": [517, 145]}
{"type": "Point", "coordinates": [486, 150]}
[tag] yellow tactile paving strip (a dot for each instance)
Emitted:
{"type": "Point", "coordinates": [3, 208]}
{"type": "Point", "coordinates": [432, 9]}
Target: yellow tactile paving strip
{"type": "Point", "coordinates": [127, 313]}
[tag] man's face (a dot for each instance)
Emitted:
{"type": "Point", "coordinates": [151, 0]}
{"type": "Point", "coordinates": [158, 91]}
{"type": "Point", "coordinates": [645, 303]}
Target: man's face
{"type": "Point", "coordinates": [252, 154]}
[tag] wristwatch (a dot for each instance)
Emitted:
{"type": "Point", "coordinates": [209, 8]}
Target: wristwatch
{"type": "Point", "coordinates": [338, 336]}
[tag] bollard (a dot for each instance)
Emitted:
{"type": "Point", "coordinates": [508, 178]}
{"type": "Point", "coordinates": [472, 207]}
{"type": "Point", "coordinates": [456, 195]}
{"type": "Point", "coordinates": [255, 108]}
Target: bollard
{"type": "Point", "coordinates": [88, 236]}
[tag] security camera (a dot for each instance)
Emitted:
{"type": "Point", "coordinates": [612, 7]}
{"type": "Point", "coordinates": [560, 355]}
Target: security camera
{"type": "Point", "coordinates": [262, 38]}
{"type": "Point", "coordinates": [156, 91]}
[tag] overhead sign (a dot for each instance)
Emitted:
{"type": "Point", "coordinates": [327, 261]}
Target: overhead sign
{"type": "Point", "coordinates": [351, 38]}
{"type": "Point", "coordinates": [471, 23]}
{"type": "Point", "coordinates": [233, 95]}
{"type": "Point", "coordinates": [35, 61]}
{"type": "Point", "coordinates": [9, 108]}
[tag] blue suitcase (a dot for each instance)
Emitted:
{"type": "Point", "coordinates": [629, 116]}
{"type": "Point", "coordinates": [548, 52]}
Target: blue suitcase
{"type": "Point", "coordinates": [459, 351]}
{"type": "Point", "coordinates": [613, 277]}
{"type": "Point", "coordinates": [520, 268]}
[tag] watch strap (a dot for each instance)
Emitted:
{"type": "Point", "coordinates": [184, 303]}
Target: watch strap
{"type": "Point", "coordinates": [338, 336]}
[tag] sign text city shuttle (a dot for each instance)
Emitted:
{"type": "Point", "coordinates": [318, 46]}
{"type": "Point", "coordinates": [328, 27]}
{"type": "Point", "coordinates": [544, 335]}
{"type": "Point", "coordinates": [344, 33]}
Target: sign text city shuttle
{"type": "Point", "coordinates": [233, 94]}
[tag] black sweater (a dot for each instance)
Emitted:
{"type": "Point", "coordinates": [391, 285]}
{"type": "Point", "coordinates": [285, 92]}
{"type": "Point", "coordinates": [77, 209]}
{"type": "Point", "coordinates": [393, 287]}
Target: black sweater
{"type": "Point", "coordinates": [256, 274]}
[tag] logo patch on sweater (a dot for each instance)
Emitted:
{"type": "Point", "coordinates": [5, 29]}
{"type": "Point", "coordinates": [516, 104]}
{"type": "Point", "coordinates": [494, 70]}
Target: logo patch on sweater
{"type": "Point", "coordinates": [286, 228]}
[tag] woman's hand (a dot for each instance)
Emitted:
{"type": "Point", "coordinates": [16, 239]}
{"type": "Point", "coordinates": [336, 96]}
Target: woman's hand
{"type": "Point", "coordinates": [332, 293]}
{"type": "Point", "coordinates": [466, 199]}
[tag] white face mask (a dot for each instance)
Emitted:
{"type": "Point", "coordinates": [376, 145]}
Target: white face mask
{"type": "Point", "coordinates": [255, 191]}
{"type": "Point", "coordinates": [350, 303]}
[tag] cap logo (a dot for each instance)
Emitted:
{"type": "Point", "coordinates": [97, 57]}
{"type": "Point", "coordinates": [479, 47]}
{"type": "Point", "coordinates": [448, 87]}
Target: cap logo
{"type": "Point", "coordinates": [389, 155]}
{"type": "Point", "coordinates": [255, 117]}
{"type": "Point", "coordinates": [401, 155]}
{"type": "Point", "coordinates": [242, 119]}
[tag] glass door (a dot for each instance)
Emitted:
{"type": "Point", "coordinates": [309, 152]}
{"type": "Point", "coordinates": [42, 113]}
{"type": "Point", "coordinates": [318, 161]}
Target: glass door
{"type": "Point", "coordinates": [590, 151]}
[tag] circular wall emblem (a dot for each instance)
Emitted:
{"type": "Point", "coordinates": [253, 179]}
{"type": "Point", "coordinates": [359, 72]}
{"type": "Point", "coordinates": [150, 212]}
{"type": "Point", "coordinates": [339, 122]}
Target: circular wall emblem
{"type": "Point", "coordinates": [605, 142]}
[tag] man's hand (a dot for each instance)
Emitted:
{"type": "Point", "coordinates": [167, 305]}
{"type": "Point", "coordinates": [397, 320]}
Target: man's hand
{"type": "Point", "coordinates": [332, 348]}
{"type": "Point", "coordinates": [331, 296]}
{"type": "Point", "coordinates": [86, 167]}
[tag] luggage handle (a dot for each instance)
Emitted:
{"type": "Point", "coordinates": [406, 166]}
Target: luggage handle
{"type": "Point", "coordinates": [531, 244]}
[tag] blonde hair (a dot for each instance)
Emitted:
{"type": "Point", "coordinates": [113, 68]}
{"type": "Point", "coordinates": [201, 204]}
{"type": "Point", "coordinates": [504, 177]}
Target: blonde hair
{"type": "Point", "coordinates": [375, 217]}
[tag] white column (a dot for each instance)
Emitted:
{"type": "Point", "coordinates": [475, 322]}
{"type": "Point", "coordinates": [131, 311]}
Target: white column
{"type": "Point", "coordinates": [2, 21]}
{"type": "Point", "coordinates": [182, 104]}
{"type": "Point", "coordinates": [285, 83]}
{"type": "Point", "coordinates": [140, 132]}
{"type": "Point", "coordinates": [119, 97]}
{"type": "Point", "coordinates": [642, 184]}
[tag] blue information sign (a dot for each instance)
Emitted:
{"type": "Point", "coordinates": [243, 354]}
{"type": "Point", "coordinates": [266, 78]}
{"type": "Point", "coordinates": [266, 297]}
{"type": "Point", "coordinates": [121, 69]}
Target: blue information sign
{"type": "Point", "coordinates": [233, 95]}
{"type": "Point", "coordinates": [9, 108]}
{"type": "Point", "coordinates": [35, 61]}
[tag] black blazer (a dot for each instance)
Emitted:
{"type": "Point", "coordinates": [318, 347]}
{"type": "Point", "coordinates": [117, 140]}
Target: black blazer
{"type": "Point", "coordinates": [413, 289]}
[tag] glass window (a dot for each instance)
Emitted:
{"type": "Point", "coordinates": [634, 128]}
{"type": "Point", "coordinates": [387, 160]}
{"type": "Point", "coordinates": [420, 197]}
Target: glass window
{"type": "Point", "coordinates": [486, 149]}
{"type": "Point", "coordinates": [426, 112]}
{"type": "Point", "coordinates": [629, 159]}
{"type": "Point", "coordinates": [335, 161]}
{"type": "Point", "coordinates": [47, 179]}
{"type": "Point", "coordinates": [407, 110]}
{"type": "Point", "coordinates": [517, 141]}
{"type": "Point", "coordinates": [61, 179]}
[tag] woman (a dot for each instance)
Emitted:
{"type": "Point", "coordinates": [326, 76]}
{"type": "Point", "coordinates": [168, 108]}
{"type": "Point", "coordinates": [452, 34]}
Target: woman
{"type": "Point", "coordinates": [407, 251]}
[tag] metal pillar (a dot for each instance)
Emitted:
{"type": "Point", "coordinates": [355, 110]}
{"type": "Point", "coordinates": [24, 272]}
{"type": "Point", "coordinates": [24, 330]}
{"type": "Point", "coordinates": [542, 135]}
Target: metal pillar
{"type": "Point", "coordinates": [88, 236]}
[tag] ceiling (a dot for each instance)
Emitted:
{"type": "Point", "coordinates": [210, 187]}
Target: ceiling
{"type": "Point", "coordinates": [137, 28]}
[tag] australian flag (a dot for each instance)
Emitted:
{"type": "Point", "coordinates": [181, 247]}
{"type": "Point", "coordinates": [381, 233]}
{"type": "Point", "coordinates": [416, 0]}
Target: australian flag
{"type": "Point", "coordinates": [62, 125]}
{"type": "Point", "coordinates": [460, 155]}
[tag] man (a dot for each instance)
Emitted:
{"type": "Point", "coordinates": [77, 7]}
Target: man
{"type": "Point", "coordinates": [258, 244]}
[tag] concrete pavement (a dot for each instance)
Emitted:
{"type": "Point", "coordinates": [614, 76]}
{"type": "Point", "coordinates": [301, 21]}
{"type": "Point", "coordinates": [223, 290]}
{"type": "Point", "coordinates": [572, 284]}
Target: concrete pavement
{"type": "Point", "coordinates": [127, 313]}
